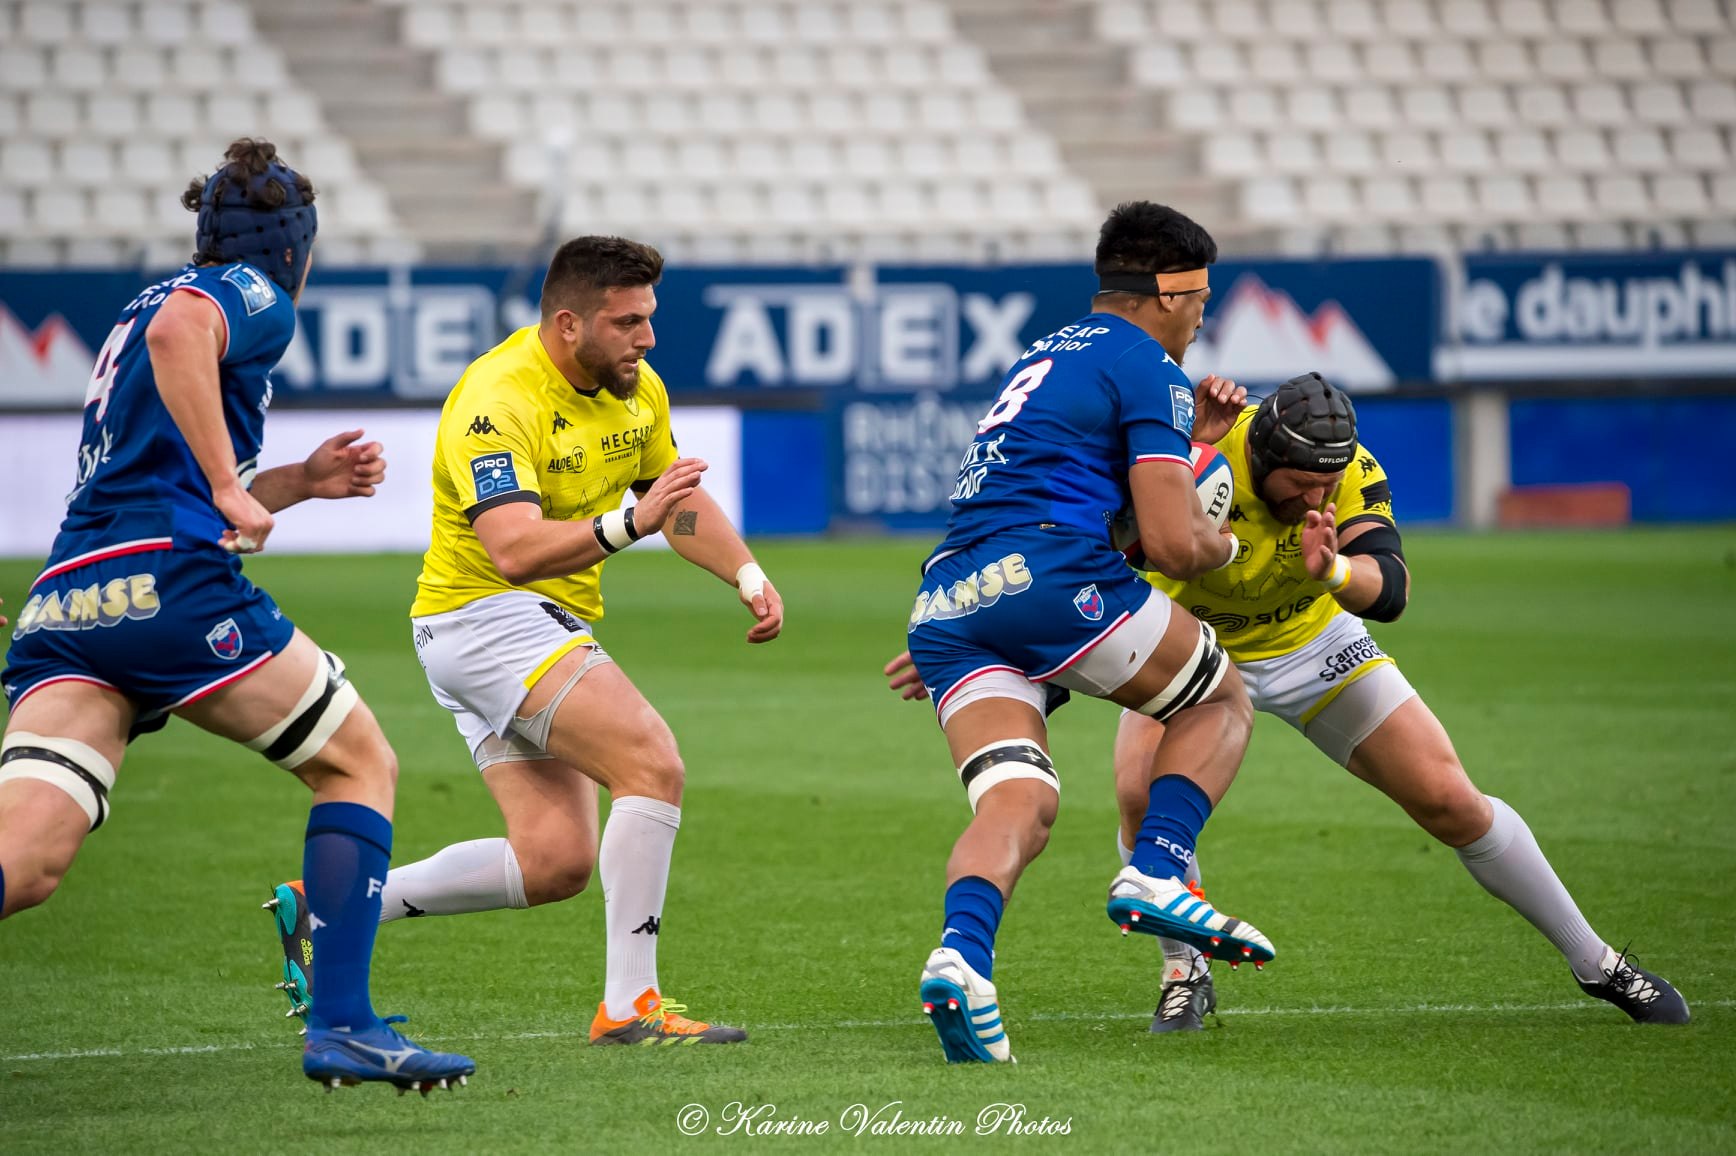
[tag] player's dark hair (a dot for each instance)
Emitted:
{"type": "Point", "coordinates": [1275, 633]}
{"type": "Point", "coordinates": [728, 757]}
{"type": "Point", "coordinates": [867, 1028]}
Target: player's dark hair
{"type": "Point", "coordinates": [1145, 237]}
{"type": "Point", "coordinates": [243, 161]}
{"type": "Point", "coordinates": [584, 267]}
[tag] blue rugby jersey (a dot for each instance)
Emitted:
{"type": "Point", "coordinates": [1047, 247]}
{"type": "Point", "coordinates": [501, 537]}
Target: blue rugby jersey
{"type": "Point", "coordinates": [138, 484]}
{"type": "Point", "coordinates": [1075, 413]}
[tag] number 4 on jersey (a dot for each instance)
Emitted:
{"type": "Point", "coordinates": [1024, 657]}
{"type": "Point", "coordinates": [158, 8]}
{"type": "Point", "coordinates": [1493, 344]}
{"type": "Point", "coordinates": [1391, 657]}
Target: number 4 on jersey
{"type": "Point", "coordinates": [1012, 398]}
{"type": "Point", "coordinates": [108, 364]}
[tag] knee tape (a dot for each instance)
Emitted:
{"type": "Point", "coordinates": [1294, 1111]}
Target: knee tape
{"type": "Point", "coordinates": [316, 716]}
{"type": "Point", "coordinates": [74, 767]}
{"type": "Point", "coordinates": [1002, 762]}
{"type": "Point", "coordinates": [1199, 676]}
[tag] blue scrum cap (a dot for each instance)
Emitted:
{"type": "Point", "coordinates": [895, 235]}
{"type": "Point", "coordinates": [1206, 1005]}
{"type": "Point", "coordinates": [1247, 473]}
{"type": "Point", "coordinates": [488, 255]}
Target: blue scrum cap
{"type": "Point", "coordinates": [264, 220]}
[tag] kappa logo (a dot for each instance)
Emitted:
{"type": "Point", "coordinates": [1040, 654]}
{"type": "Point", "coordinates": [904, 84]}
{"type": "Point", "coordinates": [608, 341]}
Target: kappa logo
{"type": "Point", "coordinates": [480, 425]}
{"type": "Point", "coordinates": [560, 423]}
{"type": "Point", "coordinates": [225, 640]}
{"type": "Point", "coordinates": [1089, 602]}
{"type": "Point", "coordinates": [651, 926]}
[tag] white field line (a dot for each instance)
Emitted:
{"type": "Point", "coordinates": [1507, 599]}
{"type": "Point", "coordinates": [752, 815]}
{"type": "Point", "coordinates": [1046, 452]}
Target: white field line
{"type": "Point", "coordinates": [854, 1025]}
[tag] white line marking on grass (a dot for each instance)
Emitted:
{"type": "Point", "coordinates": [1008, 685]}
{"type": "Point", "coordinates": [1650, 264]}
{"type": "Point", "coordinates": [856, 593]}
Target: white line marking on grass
{"type": "Point", "coordinates": [911, 1021]}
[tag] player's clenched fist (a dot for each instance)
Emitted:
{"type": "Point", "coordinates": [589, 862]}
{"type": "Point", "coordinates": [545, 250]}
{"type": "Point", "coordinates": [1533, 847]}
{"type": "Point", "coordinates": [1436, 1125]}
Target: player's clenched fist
{"type": "Point", "coordinates": [251, 520]}
{"type": "Point", "coordinates": [667, 492]}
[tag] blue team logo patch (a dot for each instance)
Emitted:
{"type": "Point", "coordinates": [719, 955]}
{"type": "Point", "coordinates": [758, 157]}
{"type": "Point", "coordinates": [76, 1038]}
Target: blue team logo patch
{"type": "Point", "coordinates": [1181, 400]}
{"type": "Point", "coordinates": [257, 294]}
{"type": "Point", "coordinates": [494, 475]}
{"type": "Point", "coordinates": [225, 640]}
{"type": "Point", "coordinates": [1089, 602]}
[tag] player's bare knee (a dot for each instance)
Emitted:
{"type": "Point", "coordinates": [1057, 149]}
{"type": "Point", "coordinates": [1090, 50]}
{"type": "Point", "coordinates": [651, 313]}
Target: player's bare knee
{"type": "Point", "coordinates": [29, 885]}
{"type": "Point", "coordinates": [1448, 806]}
{"type": "Point", "coordinates": [554, 867]}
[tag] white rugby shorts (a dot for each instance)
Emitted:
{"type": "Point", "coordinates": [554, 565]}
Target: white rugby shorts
{"type": "Point", "coordinates": [482, 659]}
{"type": "Point", "coordinates": [1336, 689]}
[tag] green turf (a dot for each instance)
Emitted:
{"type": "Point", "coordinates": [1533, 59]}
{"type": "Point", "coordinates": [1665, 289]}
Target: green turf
{"type": "Point", "coordinates": [1587, 679]}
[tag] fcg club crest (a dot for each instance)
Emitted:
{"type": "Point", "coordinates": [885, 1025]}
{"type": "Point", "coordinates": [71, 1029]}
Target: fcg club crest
{"type": "Point", "coordinates": [225, 640]}
{"type": "Point", "coordinates": [1089, 603]}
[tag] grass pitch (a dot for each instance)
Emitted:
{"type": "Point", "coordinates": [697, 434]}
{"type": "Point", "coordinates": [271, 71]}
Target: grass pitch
{"type": "Point", "coordinates": [1588, 679]}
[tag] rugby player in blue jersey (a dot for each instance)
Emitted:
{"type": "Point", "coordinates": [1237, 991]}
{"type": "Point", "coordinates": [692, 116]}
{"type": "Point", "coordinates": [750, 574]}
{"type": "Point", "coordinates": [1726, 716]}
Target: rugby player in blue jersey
{"type": "Point", "coordinates": [142, 612]}
{"type": "Point", "coordinates": [1026, 599]}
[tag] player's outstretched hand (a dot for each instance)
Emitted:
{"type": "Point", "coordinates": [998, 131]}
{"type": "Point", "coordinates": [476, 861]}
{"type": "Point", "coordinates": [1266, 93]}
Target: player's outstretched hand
{"type": "Point", "coordinates": [667, 492]}
{"type": "Point", "coordinates": [1320, 541]}
{"type": "Point", "coordinates": [340, 468]}
{"type": "Point", "coordinates": [901, 676]}
{"type": "Point", "coordinates": [251, 520]}
{"type": "Point", "coordinates": [768, 611]}
{"type": "Point", "coordinates": [1218, 401]}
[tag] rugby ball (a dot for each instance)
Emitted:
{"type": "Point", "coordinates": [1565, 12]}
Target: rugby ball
{"type": "Point", "coordinates": [1213, 483]}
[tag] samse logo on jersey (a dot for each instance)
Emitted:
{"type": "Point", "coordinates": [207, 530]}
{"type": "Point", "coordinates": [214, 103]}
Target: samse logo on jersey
{"type": "Point", "coordinates": [493, 474]}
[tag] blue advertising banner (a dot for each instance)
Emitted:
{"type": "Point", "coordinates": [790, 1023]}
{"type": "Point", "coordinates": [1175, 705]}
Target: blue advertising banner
{"type": "Point", "coordinates": [1630, 315]}
{"type": "Point", "coordinates": [366, 335]}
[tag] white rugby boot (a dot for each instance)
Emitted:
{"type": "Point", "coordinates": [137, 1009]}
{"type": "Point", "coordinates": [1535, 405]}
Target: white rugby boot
{"type": "Point", "coordinates": [1166, 907]}
{"type": "Point", "coordinates": [965, 1010]}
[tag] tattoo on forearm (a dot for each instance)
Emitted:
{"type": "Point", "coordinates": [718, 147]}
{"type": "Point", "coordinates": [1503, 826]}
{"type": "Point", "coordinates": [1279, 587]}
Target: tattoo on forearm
{"type": "Point", "coordinates": [686, 521]}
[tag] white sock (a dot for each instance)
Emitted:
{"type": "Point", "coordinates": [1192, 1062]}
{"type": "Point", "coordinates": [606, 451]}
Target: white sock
{"type": "Point", "coordinates": [1511, 867]}
{"type": "Point", "coordinates": [638, 841]}
{"type": "Point", "coordinates": [1180, 960]}
{"type": "Point", "coordinates": [481, 875]}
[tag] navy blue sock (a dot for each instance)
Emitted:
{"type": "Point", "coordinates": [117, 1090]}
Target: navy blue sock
{"type": "Point", "coordinates": [343, 868]}
{"type": "Point", "coordinates": [973, 915]}
{"type": "Point", "coordinates": [2, 890]}
{"type": "Point", "coordinates": [1178, 809]}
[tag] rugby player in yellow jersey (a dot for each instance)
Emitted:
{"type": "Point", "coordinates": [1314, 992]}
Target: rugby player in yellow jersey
{"type": "Point", "coordinates": [1319, 553]}
{"type": "Point", "coordinates": [536, 446]}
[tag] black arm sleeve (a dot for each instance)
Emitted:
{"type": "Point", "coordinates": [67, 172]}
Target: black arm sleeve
{"type": "Point", "coordinates": [1383, 544]}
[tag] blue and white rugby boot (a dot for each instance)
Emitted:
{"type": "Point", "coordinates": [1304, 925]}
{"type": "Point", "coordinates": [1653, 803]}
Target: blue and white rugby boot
{"type": "Point", "coordinates": [288, 905]}
{"type": "Point", "coordinates": [339, 1056]}
{"type": "Point", "coordinates": [965, 1011]}
{"type": "Point", "coordinates": [1166, 907]}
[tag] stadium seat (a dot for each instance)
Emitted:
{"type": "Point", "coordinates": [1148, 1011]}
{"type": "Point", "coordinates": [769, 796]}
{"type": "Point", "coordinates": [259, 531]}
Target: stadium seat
{"type": "Point", "coordinates": [1582, 149]}
{"type": "Point", "coordinates": [1581, 17]}
{"type": "Point", "coordinates": [1698, 150]}
{"type": "Point", "coordinates": [1620, 195]}
{"type": "Point", "coordinates": [1640, 17]}
{"type": "Point", "coordinates": [1680, 194]}
{"type": "Point", "coordinates": [1293, 152]}
{"type": "Point", "coordinates": [1620, 59]}
{"type": "Point", "coordinates": [1640, 150]}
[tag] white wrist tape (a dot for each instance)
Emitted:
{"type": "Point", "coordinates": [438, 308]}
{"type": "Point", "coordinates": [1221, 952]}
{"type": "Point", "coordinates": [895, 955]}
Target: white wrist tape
{"type": "Point", "coordinates": [613, 527]}
{"type": "Point", "coordinates": [1340, 576]}
{"type": "Point", "coordinates": [750, 580]}
{"type": "Point", "coordinates": [1235, 548]}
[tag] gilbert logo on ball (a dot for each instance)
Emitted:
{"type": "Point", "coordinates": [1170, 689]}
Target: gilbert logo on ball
{"type": "Point", "coordinates": [1214, 484]}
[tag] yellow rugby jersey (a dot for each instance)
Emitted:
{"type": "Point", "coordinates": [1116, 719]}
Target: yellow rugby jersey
{"type": "Point", "coordinates": [1264, 604]}
{"type": "Point", "coordinates": [513, 428]}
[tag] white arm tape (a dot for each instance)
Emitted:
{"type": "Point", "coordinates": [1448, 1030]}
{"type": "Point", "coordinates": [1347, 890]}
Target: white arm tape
{"type": "Point", "coordinates": [615, 529]}
{"type": "Point", "coordinates": [1340, 576]}
{"type": "Point", "coordinates": [750, 580]}
{"type": "Point", "coordinates": [1235, 548]}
